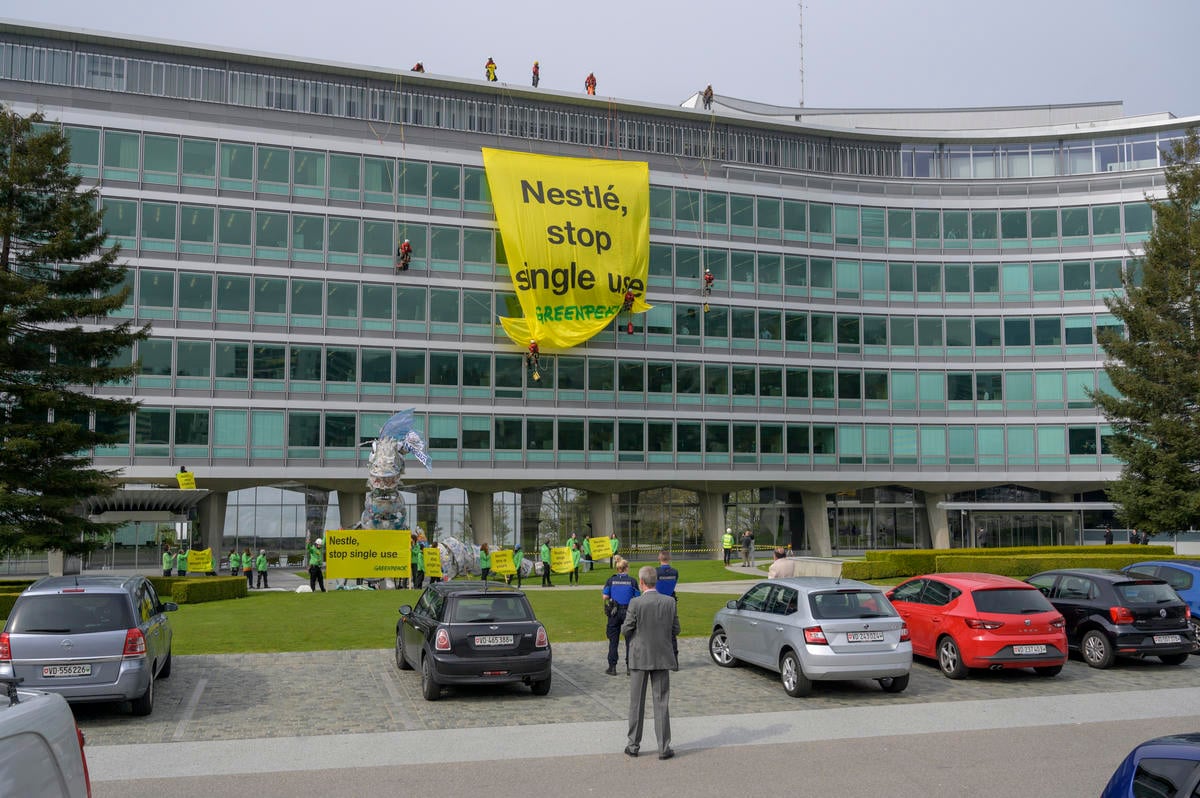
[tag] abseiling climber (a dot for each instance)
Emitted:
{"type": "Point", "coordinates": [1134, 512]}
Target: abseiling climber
{"type": "Point", "coordinates": [532, 357]}
{"type": "Point", "coordinates": [489, 69]}
{"type": "Point", "coordinates": [404, 253]}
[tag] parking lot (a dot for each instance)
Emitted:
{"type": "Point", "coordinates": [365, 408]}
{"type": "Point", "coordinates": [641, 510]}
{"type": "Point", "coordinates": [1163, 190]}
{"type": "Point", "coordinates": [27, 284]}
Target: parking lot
{"type": "Point", "coordinates": [225, 697]}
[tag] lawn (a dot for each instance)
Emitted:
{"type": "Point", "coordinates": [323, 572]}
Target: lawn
{"type": "Point", "coordinates": [344, 619]}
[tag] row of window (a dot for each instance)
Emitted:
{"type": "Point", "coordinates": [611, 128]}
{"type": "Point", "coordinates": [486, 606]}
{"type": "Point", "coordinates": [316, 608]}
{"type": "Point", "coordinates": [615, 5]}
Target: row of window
{"type": "Point", "coordinates": [268, 433]}
{"type": "Point", "coordinates": [508, 114]}
{"type": "Point", "coordinates": [387, 372]}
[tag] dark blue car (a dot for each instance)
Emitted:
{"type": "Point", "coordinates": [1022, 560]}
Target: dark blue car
{"type": "Point", "coordinates": [1182, 575]}
{"type": "Point", "coordinates": [1164, 766]}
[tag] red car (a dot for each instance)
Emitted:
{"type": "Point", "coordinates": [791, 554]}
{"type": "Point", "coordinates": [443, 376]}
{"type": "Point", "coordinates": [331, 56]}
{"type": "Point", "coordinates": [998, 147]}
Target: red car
{"type": "Point", "coordinates": [981, 621]}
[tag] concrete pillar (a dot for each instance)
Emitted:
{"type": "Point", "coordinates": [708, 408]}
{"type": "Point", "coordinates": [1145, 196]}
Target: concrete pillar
{"type": "Point", "coordinates": [712, 522]}
{"type": "Point", "coordinates": [601, 510]}
{"type": "Point", "coordinates": [939, 523]}
{"type": "Point", "coordinates": [482, 512]}
{"type": "Point", "coordinates": [316, 512]}
{"type": "Point", "coordinates": [428, 497]}
{"type": "Point", "coordinates": [531, 519]}
{"type": "Point", "coordinates": [816, 524]}
{"type": "Point", "coordinates": [210, 522]}
{"type": "Point", "coordinates": [350, 507]}
{"type": "Point", "coordinates": [59, 564]}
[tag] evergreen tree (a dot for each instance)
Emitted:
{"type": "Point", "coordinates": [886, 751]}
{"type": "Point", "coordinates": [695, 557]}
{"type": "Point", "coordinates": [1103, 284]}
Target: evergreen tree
{"type": "Point", "coordinates": [58, 283]}
{"type": "Point", "coordinates": [1155, 365]}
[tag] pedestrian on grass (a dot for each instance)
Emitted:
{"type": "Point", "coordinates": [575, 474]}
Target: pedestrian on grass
{"type": "Point", "coordinates": [587, 553]}
{"type": "Point", "coordinates": [748, 548]}
{"type": "Point", "coordinates": [576, 555]}
{"type": "Point", "coordinates": [168, 560]}
{"type": "Point", "coordinates": [181, 560]}
{"type": "Point", "coordinates": [235, 563]}
{"type": "Point", "coordinates": [518, 561]}
{"type": "Point", "coordinates": [260, 565]}
{"type": "Point", "coordinates": [315, 577]}
{"type": "Point", "coordinates": [545, 558]}
{"type": "Point", "coordinates": [485, 562]}
{"type": "Point", "coordinates": [615, 543]}
{"type": "Point", "coordinates": [727, 542]}
{"type": "Point", "coordinates": [248, 567]}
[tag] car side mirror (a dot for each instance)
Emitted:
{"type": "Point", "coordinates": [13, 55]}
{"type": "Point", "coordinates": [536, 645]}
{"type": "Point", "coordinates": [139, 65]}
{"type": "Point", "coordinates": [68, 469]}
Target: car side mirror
{"type": "Point", "coordinates": [732, 604]}
{"type": "Point", "coordinates": [889, 594]}
{"type": "Point", "coordinates": [169, 606]}
{"type": "Point", "coordinates": [405, 609]}
{"type": "Point", "coordinates": [1045, 591]}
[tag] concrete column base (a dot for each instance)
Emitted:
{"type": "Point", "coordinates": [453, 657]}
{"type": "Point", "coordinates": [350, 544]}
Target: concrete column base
{"type": "Point", "coordinates": [712, 522]}
{"type": "Point", "coordinates": [482, 508]}
{"type": "Point", "coordinates": [816, 524]}
{"type": "Point", "coordinates": [939, 522]}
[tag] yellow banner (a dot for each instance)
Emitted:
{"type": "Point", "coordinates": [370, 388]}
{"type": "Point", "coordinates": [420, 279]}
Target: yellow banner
{"type": "Point", "coordinates": [502, 563]}
{"type": "Point", "coordinates": [368, 553]}
{"type": "Point", "coordinates": [601, 548]}
{"type": "Point", "coordinates": [199, 561]}
{"type": "Point", "coordinates": [186, 480]}
{"type": "Point", "coordinates": [576, 232]}
{"type": "Point", "coordinates": [560, 560]}
{"type": "Point", "coordinates": [433, 562]}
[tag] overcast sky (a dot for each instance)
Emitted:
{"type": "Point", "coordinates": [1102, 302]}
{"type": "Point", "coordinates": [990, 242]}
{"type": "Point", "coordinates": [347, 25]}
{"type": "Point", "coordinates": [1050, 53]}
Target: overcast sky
{"type": "Point", "coordinates": [857, 53]}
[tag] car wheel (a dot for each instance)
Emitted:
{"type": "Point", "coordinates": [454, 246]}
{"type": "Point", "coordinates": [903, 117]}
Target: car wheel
{"type": "Point", "coordinates": [430, 689]}
{"type": "Point", "coordinates": [894, 684]}
{"type": "Point", "coordinates": [795, 683]}
{"type": "Point", "coordinates": [1195, 633]}
{"type": "Point", "coordinates": [718, 649]}
{"type": "Point", "coordinates": [950, 659]}
{"type": "Point", "coordinates": [165, 671]}
{"type": "Point", "coordinates": [541, 687]}
{"type": "Point", "coordinates": [1096, 650]}
{"type": "Point", "coordinates": [401, 662]}
{"type": "Point", "coordinates": [1048, 670]}
{"type": "Point", "coordinates": [144, 704]}
{"type": "Point", "coordinates": [1174, 659]}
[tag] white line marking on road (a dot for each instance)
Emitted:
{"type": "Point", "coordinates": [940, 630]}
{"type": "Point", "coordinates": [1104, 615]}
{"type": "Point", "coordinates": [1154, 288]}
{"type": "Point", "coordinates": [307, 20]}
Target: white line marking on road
{"type": "Point", "coordinates": [193, 702]}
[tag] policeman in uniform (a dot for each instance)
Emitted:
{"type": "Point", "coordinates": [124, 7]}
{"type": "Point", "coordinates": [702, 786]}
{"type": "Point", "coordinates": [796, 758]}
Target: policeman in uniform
{"type": "Point", "coordinates": [618, 591]}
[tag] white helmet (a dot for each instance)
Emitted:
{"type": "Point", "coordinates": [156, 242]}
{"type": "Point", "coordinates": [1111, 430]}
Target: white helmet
{"type": "Point", "coordinates": [319, 542]}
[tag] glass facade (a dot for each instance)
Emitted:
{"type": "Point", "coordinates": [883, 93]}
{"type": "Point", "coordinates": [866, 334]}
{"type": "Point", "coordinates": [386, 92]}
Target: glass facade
{"type": "Point", "coordinates": [931, 327]}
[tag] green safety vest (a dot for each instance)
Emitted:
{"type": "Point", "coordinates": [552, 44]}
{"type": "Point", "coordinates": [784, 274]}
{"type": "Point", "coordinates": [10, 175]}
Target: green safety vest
{"type": "Point", "coordinates": [168, 560]}
{"type": "Point", "coordinates": [616, 544]}
{"type": "Point", "coordinates": [485, 559]}
{"type": "Point", "coordinates": [727, 540]}
{"type": "Point", "coordinates": [314, 555]}
{"type": "Point", "coordinates": [420, 558]}
{"type": "Point", "coordinates": [235, 562]}
{"type": "Point", "coordinates": [261, 562]}
{"type": "Point", "coordinates": [575, 554]}
{"type": "Point", "coordinates": [247, 562]}
{"type": "Point", "coordinates": [587, 547]}
{"type": "Point", "coordinates": [181, 561]}
{"type": "Point", "coordinates": [545, 553]}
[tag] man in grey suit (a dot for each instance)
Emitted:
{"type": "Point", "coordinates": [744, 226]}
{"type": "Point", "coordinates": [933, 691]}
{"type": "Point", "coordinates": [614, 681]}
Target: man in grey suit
{"type": "Point", "coordinates": [651, 626]}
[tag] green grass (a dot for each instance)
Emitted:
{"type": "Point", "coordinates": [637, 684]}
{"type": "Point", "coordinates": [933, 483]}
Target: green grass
{"type": "Point", "coordinates": [345, 619]}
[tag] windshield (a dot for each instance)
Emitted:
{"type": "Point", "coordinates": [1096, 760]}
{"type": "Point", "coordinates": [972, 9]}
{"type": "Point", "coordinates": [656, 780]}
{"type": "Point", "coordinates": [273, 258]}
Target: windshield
{"type": "Point", "coordinates": [1011, 601]}
{"type": "Point", "coordinates": [850, 604]}
{"type": "Point", "coordinates": [71, 614]}
{"type": "Point", "coordinates": [1146, 593]}
{"type": "Point", "coordinates": [490, 609]}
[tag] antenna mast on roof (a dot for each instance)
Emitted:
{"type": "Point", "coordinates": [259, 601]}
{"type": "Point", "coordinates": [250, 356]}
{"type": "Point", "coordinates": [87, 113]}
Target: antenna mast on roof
{"type": "Point", "coordinates": [800, 6]}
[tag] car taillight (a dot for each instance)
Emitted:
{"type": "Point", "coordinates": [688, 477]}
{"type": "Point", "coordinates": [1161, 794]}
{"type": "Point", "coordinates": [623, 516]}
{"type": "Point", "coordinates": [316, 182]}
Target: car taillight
{"type": "Point", "coordinates": [1058, 623]}
{"type": "Point", "coordinates": [87, 779]}
{"type": "Point", "coordinates": [979, 623]}
{"type": "Point", "coordinates": [1187, 612]}
{"type": "Point", "coordinates": [135, 644]}
{"type": "Point", "coordinates": [441, 641]}
{"type": "Point", "coordinates": [1120, 614]}
{"type": "Point", "coordinates": [815, 636]}
{"type": "Point", "coordinates": [5, 647]}
{"type": "Point", "coordinates": [540, 640]}
{"type": "Point", "coordinates": [904, 635]}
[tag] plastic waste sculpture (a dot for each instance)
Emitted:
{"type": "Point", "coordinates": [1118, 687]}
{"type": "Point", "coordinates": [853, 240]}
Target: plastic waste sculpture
{"type": "Point", "coordinates": [385, 507]}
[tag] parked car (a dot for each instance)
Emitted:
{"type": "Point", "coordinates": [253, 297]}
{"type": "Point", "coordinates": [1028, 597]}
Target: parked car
{"type": "Point", "coordinates": [89, 638]}
{"type": "Point", "coordinates": [1165, 767]}
{"type": "Point", "coordinates": [41, 748]}
{"type": "Point", "coordinates": [970, 620]}
{"type": "Point", "coordinates": [810, 629]}
{"type": "Point", "coordinates": [1111, 614]}
{"type": "Point", "coordinates": [473, 633]}
{"type": "Point", "coordinates": [1184, 578]}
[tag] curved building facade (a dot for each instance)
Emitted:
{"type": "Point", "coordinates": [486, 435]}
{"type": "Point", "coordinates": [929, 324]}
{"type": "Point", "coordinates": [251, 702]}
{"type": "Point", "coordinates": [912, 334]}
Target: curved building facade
{"type": "Point", "coordinates": [897, 351]}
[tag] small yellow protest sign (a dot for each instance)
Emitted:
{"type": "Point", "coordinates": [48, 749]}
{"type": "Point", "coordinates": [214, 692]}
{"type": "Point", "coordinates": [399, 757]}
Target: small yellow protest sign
{"type": "Point", "coordinates": [576, 232]}
{"type": "Point", "coordinates": [186, 480]}
{"type": "Point", "coordinates": [561, 561]}
{"type": "Point", "coordinates": [601, 548]}
{"type": "Point", "coordinates": [368, 553]}
{"type": "Point", "coordinates": [433, 562]}
{"type": "Point", "coordinates": [199, 561]}
{"type": "Point", "coordinates": [502, 563]}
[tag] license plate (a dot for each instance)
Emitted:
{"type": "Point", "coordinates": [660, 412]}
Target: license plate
{"type": "Point", "coordinates": [1029, 649]}
{"type": "Point", "coordinates": [66, 670]}
{"type": "Point", "coordinates": [864, 637]}
{"type": "Point", "coordinates": [1161, 639]}
{"type": "Point", "coordinates": [494, 640]}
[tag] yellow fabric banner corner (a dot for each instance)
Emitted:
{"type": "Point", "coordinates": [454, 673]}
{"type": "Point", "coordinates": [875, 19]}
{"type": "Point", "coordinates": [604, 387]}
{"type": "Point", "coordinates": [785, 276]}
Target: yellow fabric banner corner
{"type": "Point", "coordinates": [576, 233]}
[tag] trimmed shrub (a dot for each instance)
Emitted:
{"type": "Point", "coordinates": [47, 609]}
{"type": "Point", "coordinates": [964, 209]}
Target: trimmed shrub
{"type": "Point", "coordinates": [1025, 565]}
{"type": "Point", "coordinates": [6, 602]}
{"type": "Point", "coordinates": [867, 569]}
{"type": "Point", "coordinates": [911, 562]}
{"type": "Point", "coordinates": [219, 588]}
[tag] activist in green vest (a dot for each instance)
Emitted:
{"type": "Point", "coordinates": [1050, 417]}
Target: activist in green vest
{"type": "Point", "coordinates": [576, 555]}
{"type": "Point", "coordinates": [168, 561]}
{"type": "Point", "coordinates": [315, 577]}
{"type": "Point", "coordinates": [419, 573]}
{"type": "Point", "coordinates": [485, 561]}
{"type": "Point", "coordinates": [181, 562]}
{"type": "Point", "coordinates": [235, 563]}
{"type": "Point", "coordinates": [545, 558]}
{"type": "Point", "coordinates": [587, 554]}
{"type": "Point", "coordinates": [616, 543]}
{"type": "Point", "coordinates": [727, 543]}
{"type": "Point", "coordinates": [260, 565]}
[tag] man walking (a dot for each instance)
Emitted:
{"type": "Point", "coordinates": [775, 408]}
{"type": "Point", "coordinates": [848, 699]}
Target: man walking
{"type": "Point", "coordinates": [651, 625]}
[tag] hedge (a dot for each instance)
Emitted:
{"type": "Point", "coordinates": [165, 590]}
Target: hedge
{"type": "Point", "coordinates": [886, 564]}
{"type": "Point", "coordinates": [1029, 564]}
{"type": "Point", "coordinates": [194, 590]}
{"type": "Point", "coordinates": [6, 602]}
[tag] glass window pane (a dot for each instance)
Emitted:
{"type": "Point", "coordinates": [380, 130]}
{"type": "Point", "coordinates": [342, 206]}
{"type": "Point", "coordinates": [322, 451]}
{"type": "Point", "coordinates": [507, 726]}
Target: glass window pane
{"type": "Point", "coordinates": [160, 154]}
{"type": "Point", "coordinates": [309, 169]}
{"type": "Point", "coordinates": [274, 164]}
{"type": "Point", "coordinates": [196, 224]}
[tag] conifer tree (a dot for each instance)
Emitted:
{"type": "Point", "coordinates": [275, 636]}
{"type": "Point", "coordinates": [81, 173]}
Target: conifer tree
{"type": "Point", "coordinates": [58, 284]}
{"type": "Point", "coordinates": [1155, 364]}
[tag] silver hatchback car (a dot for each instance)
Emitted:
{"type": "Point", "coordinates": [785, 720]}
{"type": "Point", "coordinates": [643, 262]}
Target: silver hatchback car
{"type": "Point", "coordinates": [89, 638]}
{"type": "Point", "coordinates": [811, 629]}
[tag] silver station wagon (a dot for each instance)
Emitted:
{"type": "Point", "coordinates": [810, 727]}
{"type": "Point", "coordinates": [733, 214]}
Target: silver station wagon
{"type": "Point", "coordinates": [89, 638]}
{"type": "Point", "coordinates": [810, 629]}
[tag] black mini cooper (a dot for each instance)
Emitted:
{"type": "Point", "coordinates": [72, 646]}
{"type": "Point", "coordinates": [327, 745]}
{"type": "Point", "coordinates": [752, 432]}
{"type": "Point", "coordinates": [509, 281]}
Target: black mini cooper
{"type": "Point", "coordinates": [473, 633]}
